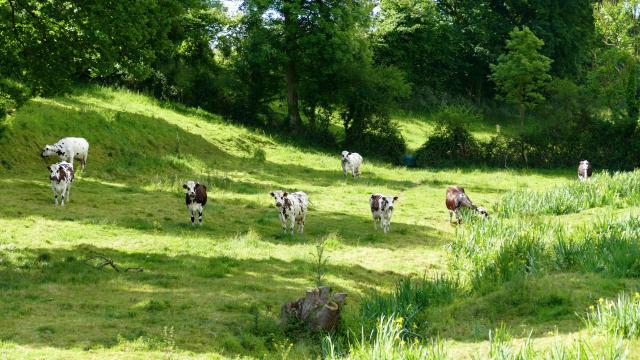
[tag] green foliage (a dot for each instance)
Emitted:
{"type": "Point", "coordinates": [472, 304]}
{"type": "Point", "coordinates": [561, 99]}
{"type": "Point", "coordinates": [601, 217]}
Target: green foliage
{"type": "Point", "coordinates": [451, 142]}
{"type": "Point", "coordinates": [522, 72]}
{"type": "Point", "coordinates": [408, 300]}
{"type": "Point", "coordinates": [619, 317]}
{"type": "Point", "coordinates": [387, 343]}
{"type": "Point", "coordinates": [601, 190]}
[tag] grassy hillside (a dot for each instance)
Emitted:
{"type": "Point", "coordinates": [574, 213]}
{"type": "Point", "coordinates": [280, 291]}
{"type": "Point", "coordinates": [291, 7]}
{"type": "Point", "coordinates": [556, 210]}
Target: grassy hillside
{"type": "Point", "coordinates": [216, 290]}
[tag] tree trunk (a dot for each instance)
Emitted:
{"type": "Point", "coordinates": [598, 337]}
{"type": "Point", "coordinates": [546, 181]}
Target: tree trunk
{"type": "Point", "coordinates": [318, 309]}
{"type": "Point", "coordinates": [292, 95]}
{"type": "Point", "coordinates": [524, 150]}
{"type": "Point", "coordinates": [291, 48]}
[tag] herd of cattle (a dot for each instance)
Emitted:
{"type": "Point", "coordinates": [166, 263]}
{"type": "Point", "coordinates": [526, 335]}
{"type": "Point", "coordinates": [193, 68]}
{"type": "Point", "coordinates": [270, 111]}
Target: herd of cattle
{"type": "Point", "coordinates": [292, 206]}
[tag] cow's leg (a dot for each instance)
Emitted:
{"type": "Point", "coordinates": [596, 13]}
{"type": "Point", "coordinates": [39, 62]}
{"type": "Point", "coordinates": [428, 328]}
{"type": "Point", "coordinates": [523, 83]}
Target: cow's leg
{"type": "Point", "coordinates": [450, 216]}
{"type": "Point", "coordinates": [62, 197]}
{"type": "Point", "coordinates": [344, 170]}
{"type": "Point", "coordinates": [84, 161]}
{"type": "Point", "coordinates": [292, 223]}
{"type": "Point", "coordinates": [68, 191]}
{"type": "Point", "coordinates": [375, 225]}
{"type": "Point", "coordinates": [200, 217]}
{"type": "Point", "coordinates": [193, 216]}
{"type": "Point", "coordinates": [458, 217]}
{"type": "Point", "coordinates": [55, 197]}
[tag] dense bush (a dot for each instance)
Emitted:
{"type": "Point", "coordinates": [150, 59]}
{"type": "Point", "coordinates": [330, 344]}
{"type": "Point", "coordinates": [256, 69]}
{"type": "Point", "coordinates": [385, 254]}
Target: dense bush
{"type": "Point", "coordinates": [558, 145]}
{"type": "Point", "coordinates": [381, 138]}
{"type": "Point", "coordinates": [451, 143]}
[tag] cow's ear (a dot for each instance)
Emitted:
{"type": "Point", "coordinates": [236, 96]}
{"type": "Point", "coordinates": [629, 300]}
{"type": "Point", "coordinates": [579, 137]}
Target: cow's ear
{"type": "Point", "coordinates": [285, 194]}
{"type": "Point", "coordinates": [272, 194]}
{"type": "Point", "coordinates": [49, 167]}
{"type": "Point", "coordinates": [395, 198]}
{"type": "Point", "coordinates": [184, 186]}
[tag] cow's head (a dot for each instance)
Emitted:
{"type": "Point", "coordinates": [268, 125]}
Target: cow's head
{"type": "Point", "coordinates": [51, 150]}
{"type": "Point", "coordinates": [279, 196]}
{"type": "Point", "coordinates": [584, 162]}
{"type": "Point", "coordinates": [54, 172]}
{"type": "Point", "coordinates": [190, 187]}
{"type": "Point", "coordinates": [482, 211]}
{"type": "Point", "coordinates": [344, 155]}
{"type": "Point", "coordinates": [386, 202]}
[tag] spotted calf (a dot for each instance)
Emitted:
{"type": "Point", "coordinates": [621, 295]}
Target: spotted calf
{"type": "Point", "coordinates": [292, 208]}
{"type": "Point", "coordinates": [351, 162]}
{"type": "Point", "coordinates": [382, 210]}
{"type": "Point", "coordinates": [584, 170]}
{"type": "Point", "coordinates": [61, 176]}
{"type": "Point", "coordinates": [196, 199]}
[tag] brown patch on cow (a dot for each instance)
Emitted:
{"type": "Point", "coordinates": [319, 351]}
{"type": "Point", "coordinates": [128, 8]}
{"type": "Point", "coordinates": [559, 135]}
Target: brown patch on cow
{"type": "Point", "coordinates": [201, 194]}
{"type": "Point", "coordinates": [62, 175]}
{"type": "Point", "coordinates": [59, 152]}
{"type": "Point", "coordinates": [288, 204]}
{"type": "Point", "coordinates": [374, 202]}
{"type": "Point", "coordinates": [457, 198]}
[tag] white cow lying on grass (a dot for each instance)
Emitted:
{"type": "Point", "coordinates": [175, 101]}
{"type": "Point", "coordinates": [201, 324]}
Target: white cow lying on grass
{"type": "Point", "coordinates": [382, 210]}
{"type": "Point", "coordinates": [292, 208]}
{"type": "Point", "coordinates": [68, 149]}
{"type": "Point", "coordinates": [196, 199]}
{"type": "Point", "coordinates": [351, 161]}
{"type": "Point", "coordinates": [61, 178]}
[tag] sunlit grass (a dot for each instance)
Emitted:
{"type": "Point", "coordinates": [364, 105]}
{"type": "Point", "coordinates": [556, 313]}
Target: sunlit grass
{"type": "Point", "coordinates": [219, 286]}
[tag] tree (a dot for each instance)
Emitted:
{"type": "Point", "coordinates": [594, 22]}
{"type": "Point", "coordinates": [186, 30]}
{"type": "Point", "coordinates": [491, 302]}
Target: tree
{"type": "Point", "coordinates": [522, 72]}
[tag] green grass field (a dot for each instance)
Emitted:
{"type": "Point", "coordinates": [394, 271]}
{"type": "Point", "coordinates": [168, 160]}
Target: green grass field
{"type": "Point", "coordinates": [216, 290]}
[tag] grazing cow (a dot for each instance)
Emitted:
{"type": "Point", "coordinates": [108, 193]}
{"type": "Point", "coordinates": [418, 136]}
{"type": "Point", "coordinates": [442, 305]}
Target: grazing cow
{"type": "Point", "coordinates": [68, 149]}
{"type": "Point", "coordinates": [351, 161]}
{"type": "Point", "coordinates": [456, 199]}
{"type": "Point", "coordinates": [196, 199]}
{"type": "Point", "coordinates": [382, 210]}
{"type": "Point", "coordinates": [61, 178]}
{"type": "Point", "coordinates": [584, 170]}
{"type": "Point", "coordinates": [292, 208]}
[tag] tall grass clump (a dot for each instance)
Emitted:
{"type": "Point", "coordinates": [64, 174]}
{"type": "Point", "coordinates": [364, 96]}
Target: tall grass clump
{"type": "Point", "coordinates": [407, 301]}
{"type": "Point", "coordinates": [386, 343]}
{"type": "Point", "coordinates": [490, 251]}
{"type": "Point", "coordinates": [620, 317]}
{"type": "Point", "coordinates": [609, 246]}
{"type": "Point", "coordinates": [602, 189]}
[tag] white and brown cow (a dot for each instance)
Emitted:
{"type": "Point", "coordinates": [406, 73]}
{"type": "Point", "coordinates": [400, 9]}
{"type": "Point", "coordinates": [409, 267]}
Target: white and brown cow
{"type": "Point", "coordinates": [61, 176]}
{"type": "Point", "coordinates": [67, 149]}
{"type": "Point", "coordinates": [584, 170]}
{"type": "Point", "coordinates": [351, 161]}
{"type": "Point", "coordinates": [382, 210]}
{"type": "Point", "coordinates": [292, 208]}
{"type": "Point", "coordinates": [457, 199]}
{"type": "Point", "coordinates": [196, 199]}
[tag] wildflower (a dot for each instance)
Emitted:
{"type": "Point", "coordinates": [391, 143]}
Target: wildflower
{"type": "Point", "coordinates": [637, 295]}
{"type": "Point", "coordinates": [592, 308]}
{"type": "Point", "coordinates": [601, 301]}
{"type": "Point", "coordinates": [550, 333]}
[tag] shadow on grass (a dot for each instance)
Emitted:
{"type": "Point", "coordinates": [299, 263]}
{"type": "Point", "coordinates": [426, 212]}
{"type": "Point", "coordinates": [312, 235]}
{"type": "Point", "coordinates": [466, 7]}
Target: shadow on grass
{"type": "Point", "coordinates": [209, 301]}
{"type": "Point", "coordinates": [159, 213]}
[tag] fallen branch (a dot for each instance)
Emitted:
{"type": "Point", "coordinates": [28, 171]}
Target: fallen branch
{"type": "Point", "coordinates": [104, 261]}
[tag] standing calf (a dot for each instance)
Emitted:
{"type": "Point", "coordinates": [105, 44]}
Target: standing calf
{"type": "Point", "coordinates": [196, 199]}
{"type": "Point", "coordinates": [351, 161]}
{"type": "Point", "coordinates": [584, 170]}
{"type": "Point", "coordinates": [292, 208]}
{"type": "Point", "coordinates": [61, 176]}
{"type": "Point", "coordinates": [456, 199]}
{"type": "Point", "coordinates": [68, 149]}
{"type": "Point", "coordinates": [382, 210]}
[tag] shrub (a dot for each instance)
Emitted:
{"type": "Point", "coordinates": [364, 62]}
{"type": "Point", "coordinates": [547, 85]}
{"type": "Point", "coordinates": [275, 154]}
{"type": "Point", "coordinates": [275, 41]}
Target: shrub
{"type": "Point", "coordinates": [451, 143]}
{"type": "Point", "coordinates": [380, 137]}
